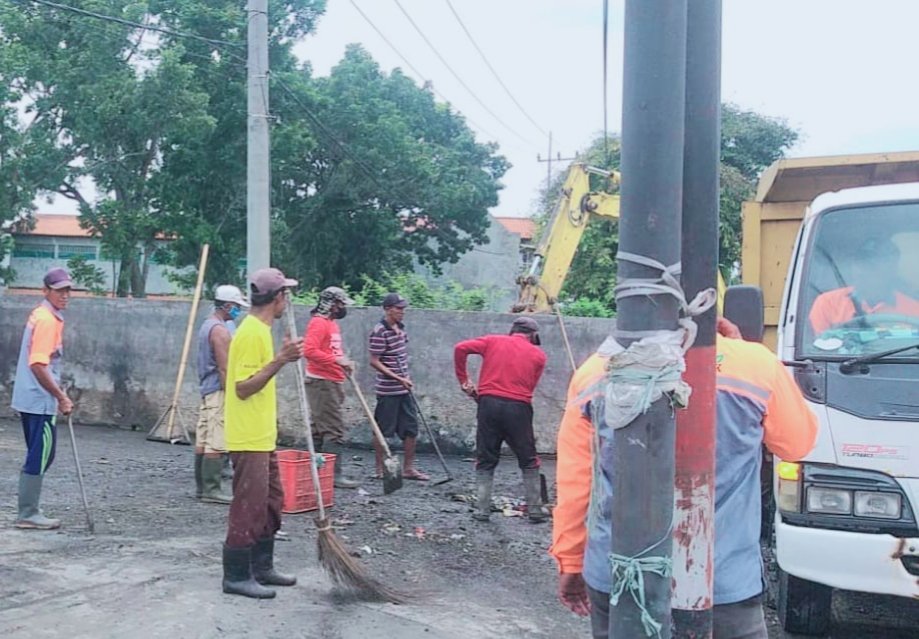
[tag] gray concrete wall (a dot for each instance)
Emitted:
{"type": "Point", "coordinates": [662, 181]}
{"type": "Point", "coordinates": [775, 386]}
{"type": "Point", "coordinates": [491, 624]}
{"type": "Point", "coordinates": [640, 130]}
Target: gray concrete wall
{"type": "Point", "coordinates": [123, 356]}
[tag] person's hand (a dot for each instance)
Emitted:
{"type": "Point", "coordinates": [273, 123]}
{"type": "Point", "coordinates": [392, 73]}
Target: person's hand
{"type": "Point", "coordinates": [65, 405]}
{"type": "Point", "coordinates": [469, 389]}
{"type": "Point", "coordinates": [291, 350]}
{"type": "Point", "coordinates": [572, 592]}
{"type": "Point", "coordinates": [727, 328]}
{"type": "Point", "coordinates": [406, 382]}
{"type": "Point", "coordinates": [346, 363]}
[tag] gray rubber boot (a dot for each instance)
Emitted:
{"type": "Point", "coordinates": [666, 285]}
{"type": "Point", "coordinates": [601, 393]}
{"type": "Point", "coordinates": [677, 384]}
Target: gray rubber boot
{"type": "Point", "coordinates": [210, 476]}
{"type": "Point", "coordinates": [30, 515]}
{"type": "Point", "coordinates": [484, 480]}
{"type": "Point", "coordinates": [341, 479]}
{"type": "Point", "coordinates": [199, 481]}
{"type": "Point", "coordinates": [227, 470]}
{"type": "Point", "coordinates": [237, 574]}
{"type": "Point", "coordinates": [263, 565]}
{"type": "Point", "coordinates": [536, 513]}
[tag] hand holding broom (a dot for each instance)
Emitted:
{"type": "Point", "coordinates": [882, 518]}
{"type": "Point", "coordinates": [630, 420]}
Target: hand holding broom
{"type": "Point", "coordinates": [333, 556]}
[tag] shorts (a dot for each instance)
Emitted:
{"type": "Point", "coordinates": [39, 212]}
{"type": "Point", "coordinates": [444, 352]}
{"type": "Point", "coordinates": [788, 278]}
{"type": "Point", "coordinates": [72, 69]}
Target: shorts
{"type": "Point", "coordinates": [326, 398]}
{"type": "Point", "coordinates": [395, 414]}
{"type": "Point", "coordinates": [209, 430]}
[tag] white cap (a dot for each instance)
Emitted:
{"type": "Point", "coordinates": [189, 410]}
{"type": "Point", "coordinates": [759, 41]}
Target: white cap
{"type": "Point", "coordinates": [229, 293]}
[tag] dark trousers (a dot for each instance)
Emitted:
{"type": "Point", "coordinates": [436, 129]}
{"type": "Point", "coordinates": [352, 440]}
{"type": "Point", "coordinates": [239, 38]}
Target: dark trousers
{"type": "Point", "coordinates": [41, 441]}
{"type": "Point", "coordinates": [255, 512]}
{"type": "Point", "coordinates": [741, 620]}
{"type": "Point", "coordinates": [504, 420]}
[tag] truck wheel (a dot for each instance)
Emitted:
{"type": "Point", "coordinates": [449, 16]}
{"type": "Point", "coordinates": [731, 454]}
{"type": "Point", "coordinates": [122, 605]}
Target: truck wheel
{"type": "Point", "coordinates": [804, 607]}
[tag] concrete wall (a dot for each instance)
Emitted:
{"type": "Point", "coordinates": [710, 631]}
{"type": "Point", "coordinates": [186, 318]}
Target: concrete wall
{"type": "Point", "coordinates": [493, 266]}
{"type": "Point", "coordinates": [123, 356]}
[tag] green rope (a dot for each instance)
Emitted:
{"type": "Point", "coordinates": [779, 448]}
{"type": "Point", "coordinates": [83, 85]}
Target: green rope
{"type": "Point", "coordinates": [629, 573]}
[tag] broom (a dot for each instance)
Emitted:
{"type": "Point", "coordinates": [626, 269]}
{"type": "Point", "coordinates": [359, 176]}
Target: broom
{"type": "Point", "coordinates": [334, 557]}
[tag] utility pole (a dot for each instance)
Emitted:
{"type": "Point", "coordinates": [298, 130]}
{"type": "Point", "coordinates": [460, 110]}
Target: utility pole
{"type": "Point", "coordinates": [549, 159]}
{"type": "Point", "coordinates": [651, 197]}
{"type": "Point", "coordinates": [694, 525]}
{"type": "Point", "coordinates": [258, 154]}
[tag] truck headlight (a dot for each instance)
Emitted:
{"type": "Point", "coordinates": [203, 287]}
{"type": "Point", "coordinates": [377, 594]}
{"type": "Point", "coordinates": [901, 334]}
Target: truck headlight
{"type": "Point", "coordinates": [829, 501]}
{"type": "Point", "coordinates": [877, 504]}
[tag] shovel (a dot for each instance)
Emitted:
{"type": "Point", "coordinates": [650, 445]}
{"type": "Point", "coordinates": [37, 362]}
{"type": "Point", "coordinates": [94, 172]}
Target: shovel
{"type": "Point", "coordinates": [430, 433]}
{"type": "Point", "coordinates": [392, 467]}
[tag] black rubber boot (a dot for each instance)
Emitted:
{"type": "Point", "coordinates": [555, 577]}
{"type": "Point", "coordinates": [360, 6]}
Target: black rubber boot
{"type": "Point", "coordinates": [199, 481]}
{"type": "Point", "coordinates": [341, 479]}
{"type": "Point", "coordinates": [263, 565]}
{"type": "Point", "coordinates": [237, 574]}
{"type": "Point", "coordinates": [484, 479]}
{"type": "Point", "coordinates": [536, 513]}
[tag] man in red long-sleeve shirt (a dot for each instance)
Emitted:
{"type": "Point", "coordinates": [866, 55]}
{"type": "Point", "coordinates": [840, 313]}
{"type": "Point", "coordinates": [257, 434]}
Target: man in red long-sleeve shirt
{"type": "Point", "coordinates": [511, 367]}
{"type": "Point", "coordinates": [326, 367]}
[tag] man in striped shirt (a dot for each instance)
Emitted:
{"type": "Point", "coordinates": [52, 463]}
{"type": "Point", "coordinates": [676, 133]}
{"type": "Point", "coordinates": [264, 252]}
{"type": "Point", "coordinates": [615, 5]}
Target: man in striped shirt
{"type": "Point", "coordinates": [395, 410]}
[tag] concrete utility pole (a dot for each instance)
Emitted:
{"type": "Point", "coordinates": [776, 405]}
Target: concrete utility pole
{"type": "Point", "coordinates": [652, 196]}
{"type": "Point", "coordinates": [694, 526]}
{"type": "Point", "coordinates": [258, 187]}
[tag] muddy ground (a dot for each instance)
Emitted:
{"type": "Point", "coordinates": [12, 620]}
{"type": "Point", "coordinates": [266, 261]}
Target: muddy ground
{"type": "Point", "coordinates": [152, 568]}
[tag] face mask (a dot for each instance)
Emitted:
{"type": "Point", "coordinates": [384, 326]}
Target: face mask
{"type": "Point", "coordinates": [234, 312]}
{"type": "Point", "coordinates": [340, 313]}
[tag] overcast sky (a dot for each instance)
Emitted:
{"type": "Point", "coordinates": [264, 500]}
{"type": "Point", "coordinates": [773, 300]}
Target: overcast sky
{"type": "Point", "coordinates": [840, 71]}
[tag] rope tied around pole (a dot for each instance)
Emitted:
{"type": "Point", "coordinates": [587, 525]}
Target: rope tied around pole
{"type": "Point", "coordinates": [628, 574]}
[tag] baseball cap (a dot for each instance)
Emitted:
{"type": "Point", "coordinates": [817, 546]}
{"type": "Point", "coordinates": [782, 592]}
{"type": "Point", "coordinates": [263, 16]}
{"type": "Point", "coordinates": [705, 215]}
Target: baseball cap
{"type": "Point", "coordinates": [527, 324]}
{"type": "Point", "coordinates": [335, 294]}
{"type": "Point", "coordinates": [394, 299]}
{"type": "Point", "coordinates": [270, 280]}
{"type": "Point", "coordinates": [57, 278]}
{"type": "Point", "coordinates": [229, 293]}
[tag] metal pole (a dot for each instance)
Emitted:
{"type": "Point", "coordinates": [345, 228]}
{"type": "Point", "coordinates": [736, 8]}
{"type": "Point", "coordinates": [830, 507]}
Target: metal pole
{"type": "Point", "coordinates": [258, 235]}
{"type": "Point", "coordinates": [694, 526]}
{"type": "Point", "coordinates": [652, 192]}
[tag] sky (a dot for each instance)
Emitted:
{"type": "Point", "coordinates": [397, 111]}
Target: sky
{"type": "Point", "coordinates": [836, 70]}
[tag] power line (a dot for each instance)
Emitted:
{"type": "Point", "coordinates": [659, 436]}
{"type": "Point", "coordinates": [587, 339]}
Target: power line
{"type": "Point", "coordinates": [492, 69]}
{"type": "Point", "coordinates": [455, 74]}
{"type": "Point", "coordinates": [129, 23]}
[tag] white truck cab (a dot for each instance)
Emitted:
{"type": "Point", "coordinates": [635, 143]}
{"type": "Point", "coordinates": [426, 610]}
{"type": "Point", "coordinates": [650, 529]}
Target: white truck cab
{"type": "Point", "coordinates": [846, 516]}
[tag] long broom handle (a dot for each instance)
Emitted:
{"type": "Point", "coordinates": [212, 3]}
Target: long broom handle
{"type": "Point", "coordinates": [76, 461]}
{"type": "Point", "coordinates": [373, 422]}
{"type": "Point", "coordinates": [305, 408]}
{"type": "Point", "coordinates": [186, 345]}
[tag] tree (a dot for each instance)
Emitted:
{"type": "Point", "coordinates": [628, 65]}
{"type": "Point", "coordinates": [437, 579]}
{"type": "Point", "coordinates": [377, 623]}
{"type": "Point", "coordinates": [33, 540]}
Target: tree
{"type": "Point", "coordinates": [750, 142]}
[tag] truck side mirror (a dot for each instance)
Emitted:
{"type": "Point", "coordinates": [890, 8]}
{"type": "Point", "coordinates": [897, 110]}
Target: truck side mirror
{"type": "Point", "coordinates": [743, 305]}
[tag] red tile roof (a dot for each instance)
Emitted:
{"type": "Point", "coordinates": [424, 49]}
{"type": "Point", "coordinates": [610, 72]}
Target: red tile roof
{"type": "Point", "coordinates": [58, 226]}
{"type": "Point", "coordinates": [525, 227]}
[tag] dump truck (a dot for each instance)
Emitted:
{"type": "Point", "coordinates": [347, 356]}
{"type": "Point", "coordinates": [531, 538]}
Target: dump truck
{"type": "Point", "coordinates": [833, 243]}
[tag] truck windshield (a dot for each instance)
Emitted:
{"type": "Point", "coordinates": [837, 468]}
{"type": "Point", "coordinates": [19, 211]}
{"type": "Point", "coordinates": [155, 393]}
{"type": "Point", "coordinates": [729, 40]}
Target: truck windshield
{"type": "Point", "coordinates": [861, 288]}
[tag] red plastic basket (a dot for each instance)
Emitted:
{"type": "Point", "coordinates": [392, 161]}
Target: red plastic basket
{"type": "Point", "coordinates": [297, 481]}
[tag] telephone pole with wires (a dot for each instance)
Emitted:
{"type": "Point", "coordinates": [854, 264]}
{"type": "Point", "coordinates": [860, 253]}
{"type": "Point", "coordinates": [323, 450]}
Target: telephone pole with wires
{"type": "Point", "coordinates": [258, 187]}
{"type": "Point", "coordinates": [550, 160]}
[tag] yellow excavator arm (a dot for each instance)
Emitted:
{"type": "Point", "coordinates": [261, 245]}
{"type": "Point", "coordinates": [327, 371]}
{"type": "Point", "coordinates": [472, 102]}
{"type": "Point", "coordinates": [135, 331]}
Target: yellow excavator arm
{"type": "Point", "coordinates": [541, 285]}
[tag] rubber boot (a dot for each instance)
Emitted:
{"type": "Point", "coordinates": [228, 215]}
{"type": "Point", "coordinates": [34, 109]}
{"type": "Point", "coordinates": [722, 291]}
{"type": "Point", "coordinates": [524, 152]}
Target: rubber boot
{"type": "Point", "coordinates": [210, 476]}
{"type": "Point", "coordinates": [341, 479]}
{"type": "Point", "coordinates": [30, 515]}
{"type": "Point", "coordinates": [237, 574]}
{"type": "Point", "coordinates": [484, 479]}
{"type": "Point", "coordinates": [199, 481]}
{"type": "Point", "coordinates": [263, 565]}
{"type": "Point", "coordinates": [227, 471]}
{"type": "Point", "coordinates": [535, 511]}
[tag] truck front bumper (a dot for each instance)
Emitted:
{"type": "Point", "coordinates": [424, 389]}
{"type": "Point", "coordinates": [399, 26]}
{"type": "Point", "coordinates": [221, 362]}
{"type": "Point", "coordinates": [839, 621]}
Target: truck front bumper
{"type": "Point", "coordinates": [862, 562]}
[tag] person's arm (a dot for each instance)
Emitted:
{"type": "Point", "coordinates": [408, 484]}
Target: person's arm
{"type": "Point", "coordinates": [44, 343]}
{"type": "Point", "coordinates": [317, 332]}
{"type": "Point", "coordinates": [290, 352]}
{"type": "Point", "coordinates": [219, 338]}
{"type": "Point", "coordinates": [789, 426]}
{"type": "Point", "coordinates": [461, 353]}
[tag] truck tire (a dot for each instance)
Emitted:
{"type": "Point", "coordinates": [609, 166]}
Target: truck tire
{"type": "Point", "coordinates": [804, 607]}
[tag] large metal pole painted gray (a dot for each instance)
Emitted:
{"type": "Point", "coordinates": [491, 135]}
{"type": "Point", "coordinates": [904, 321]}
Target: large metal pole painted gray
{"type": "Point", "coordinates": [258, 201]}
{"type": "Point", "coordinates": [652, 194]}
{"type": "Point", "coordinates": [694, 526]}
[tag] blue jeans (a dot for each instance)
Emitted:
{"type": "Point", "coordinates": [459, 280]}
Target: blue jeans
{"type": "Point", "coordinates": [41, 441]}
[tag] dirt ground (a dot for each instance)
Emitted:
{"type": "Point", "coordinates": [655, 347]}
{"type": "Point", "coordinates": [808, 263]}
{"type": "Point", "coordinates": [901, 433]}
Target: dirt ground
{"type": "Point", "coordinates": [152, 568]}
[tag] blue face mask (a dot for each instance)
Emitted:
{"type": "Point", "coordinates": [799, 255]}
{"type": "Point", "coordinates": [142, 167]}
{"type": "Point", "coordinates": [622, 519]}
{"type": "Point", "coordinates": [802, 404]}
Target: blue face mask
{"type": "Point", "coordinates": [235, 312]}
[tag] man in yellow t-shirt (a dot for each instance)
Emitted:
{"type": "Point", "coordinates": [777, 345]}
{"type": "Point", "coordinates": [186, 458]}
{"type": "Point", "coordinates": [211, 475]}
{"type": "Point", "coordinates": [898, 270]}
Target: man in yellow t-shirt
{"type": "Point", "coordinates": [251, 431]}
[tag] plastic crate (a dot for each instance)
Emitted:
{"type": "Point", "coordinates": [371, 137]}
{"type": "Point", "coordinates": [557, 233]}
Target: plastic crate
{"type": "Point", "coordinates": [297, 481]}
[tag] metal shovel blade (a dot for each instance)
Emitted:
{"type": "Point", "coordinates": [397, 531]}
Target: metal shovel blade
{"type": "Point", "coordinates": [392, 475]}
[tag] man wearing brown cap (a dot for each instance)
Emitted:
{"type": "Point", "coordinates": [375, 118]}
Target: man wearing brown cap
{"type": "Point", "coordinates": [326, 368]}
{"type": "Point", "coordinates": [38, 397]}
{"type": "Point", "coordinates": [251, 432]}
{"type": "Point", "coordinates": [511, 367]}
